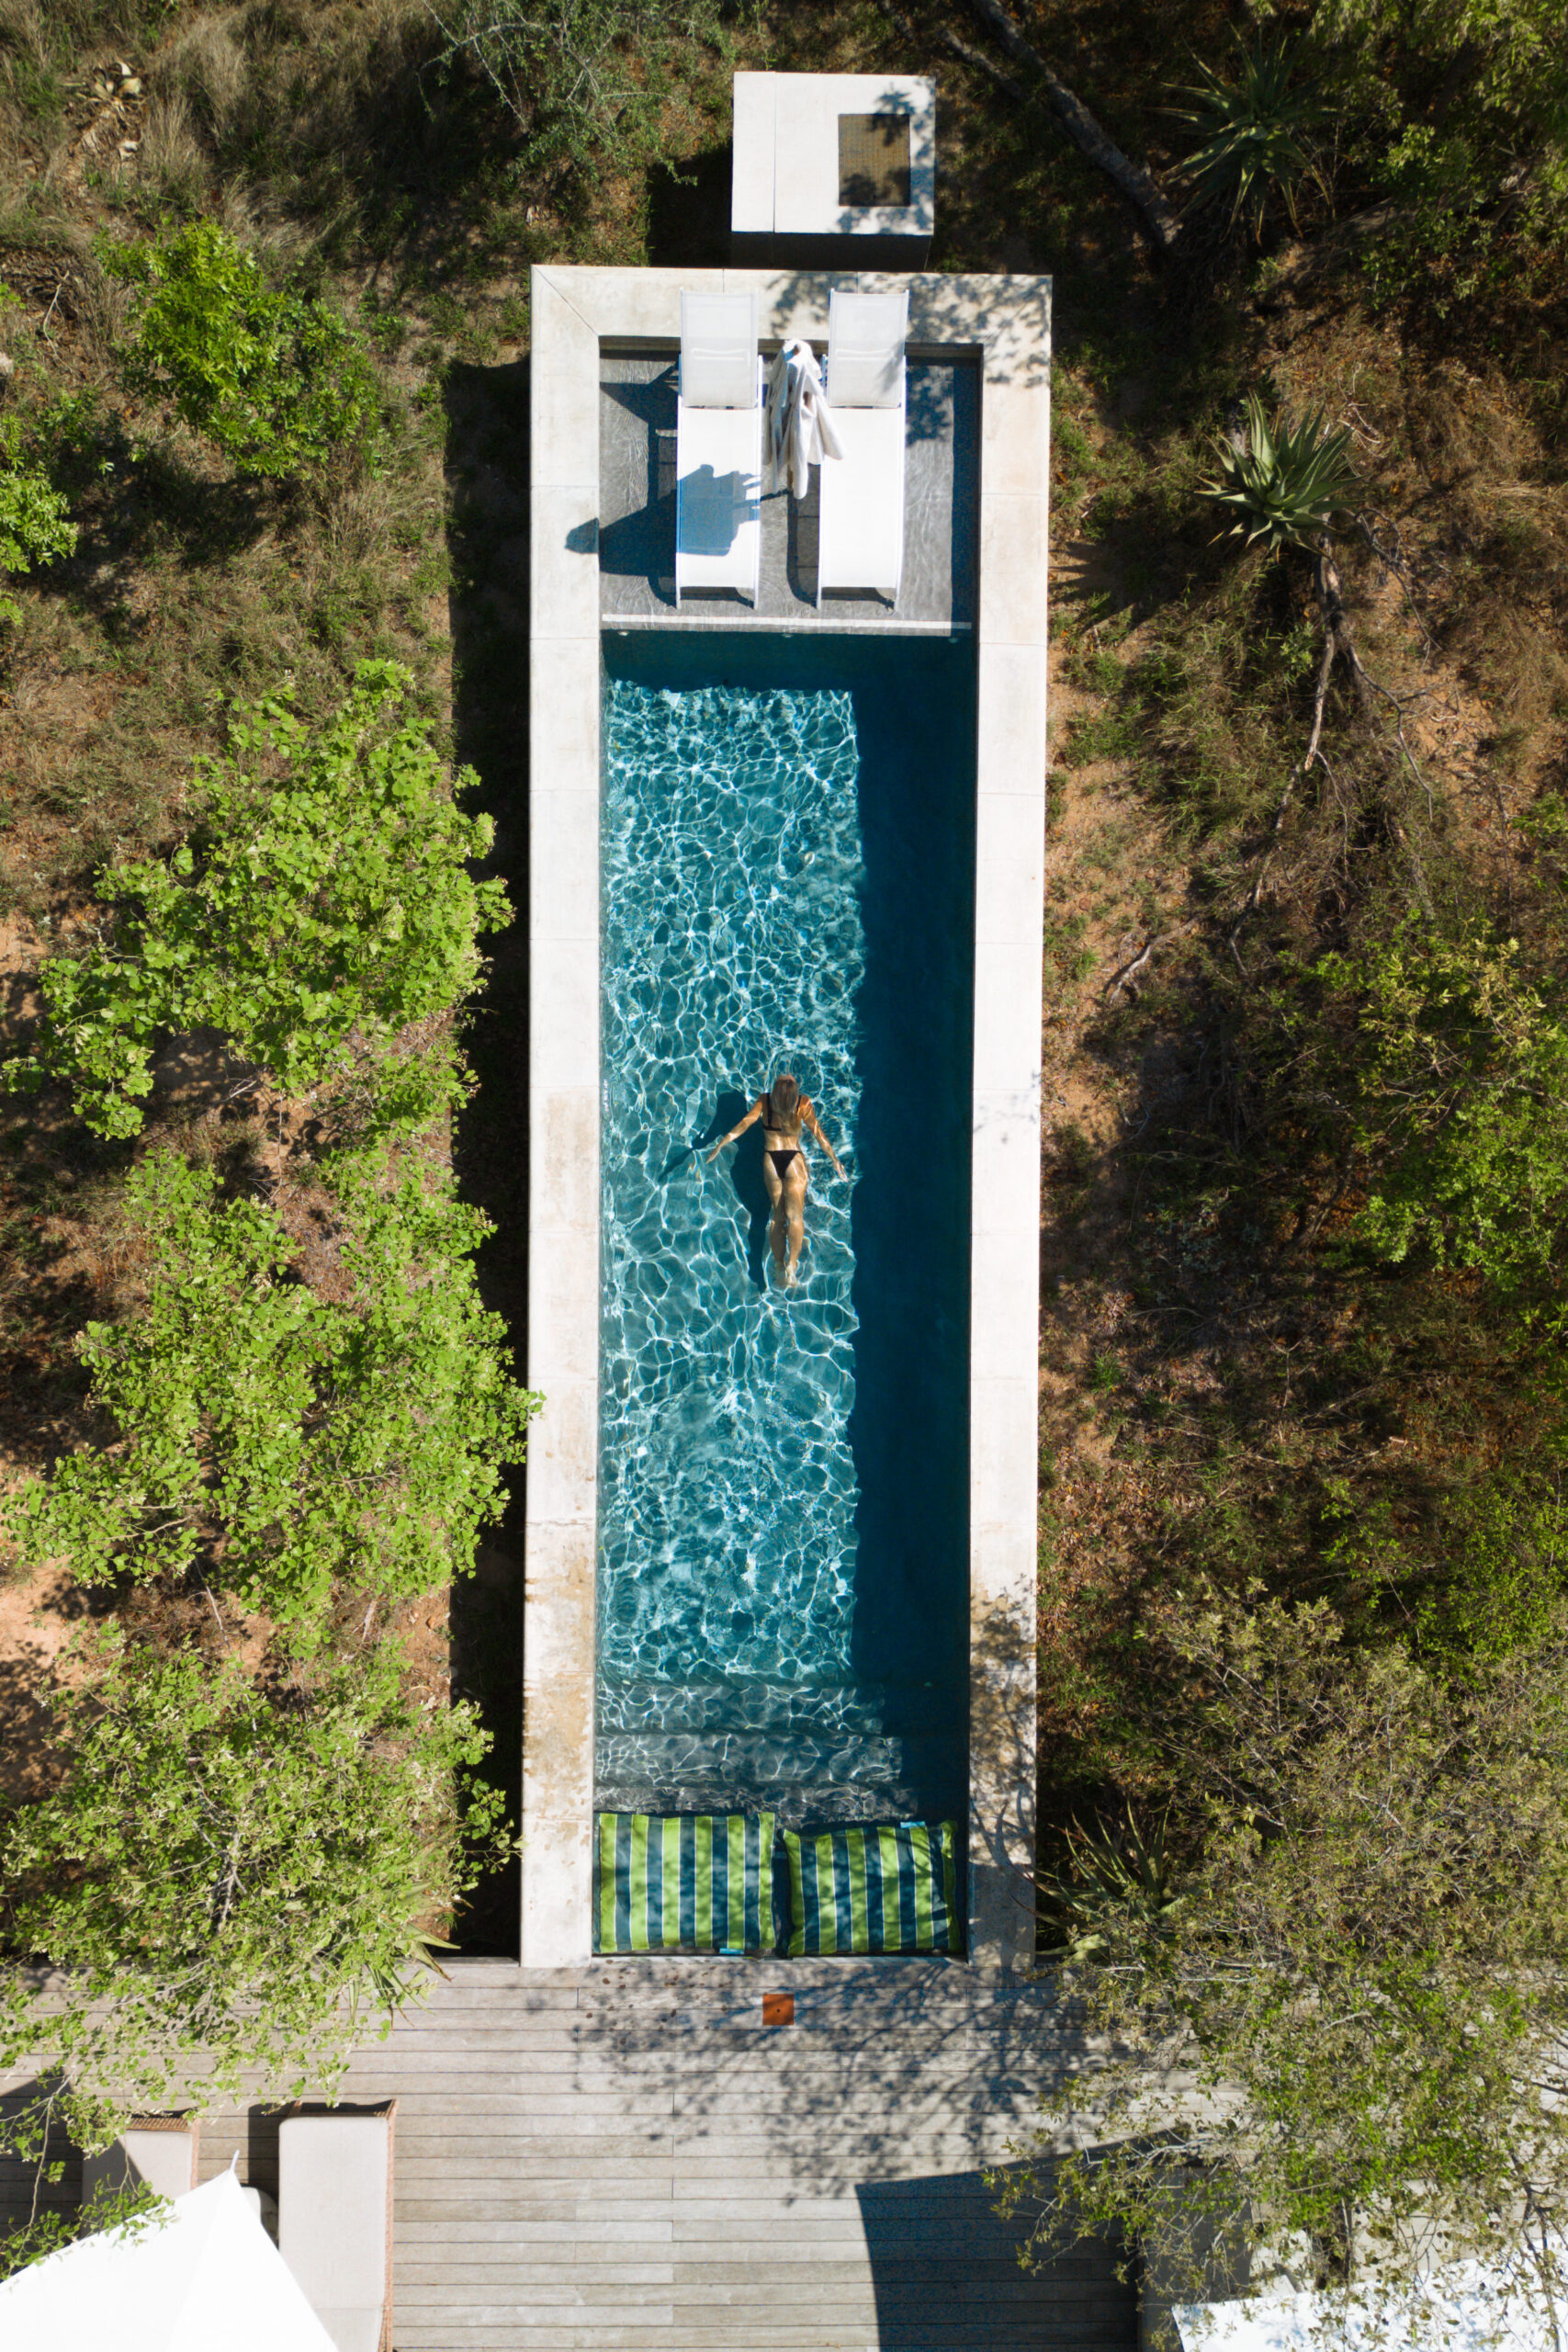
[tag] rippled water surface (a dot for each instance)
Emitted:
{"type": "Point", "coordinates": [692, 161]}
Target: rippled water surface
{"type": "Point", "coordinates": [782, 1529]}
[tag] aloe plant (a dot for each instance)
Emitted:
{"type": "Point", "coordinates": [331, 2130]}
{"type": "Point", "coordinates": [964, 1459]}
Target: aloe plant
{"type": "Point", "coordinates": [1251, 132]}
{"type": "Point", "coordinates": [1114, 1884]}
{"type": "Point", "coordinates": [1285, 484]}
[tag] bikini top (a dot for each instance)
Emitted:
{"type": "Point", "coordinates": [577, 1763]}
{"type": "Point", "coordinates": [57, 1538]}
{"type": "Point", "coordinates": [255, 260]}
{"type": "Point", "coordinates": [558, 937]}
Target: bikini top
{"type": "Point", "coordinates": [782, 1127]}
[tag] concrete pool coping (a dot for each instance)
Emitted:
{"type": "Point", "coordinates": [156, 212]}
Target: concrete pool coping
{"type": "Point", "coordinates": [1005, 323]}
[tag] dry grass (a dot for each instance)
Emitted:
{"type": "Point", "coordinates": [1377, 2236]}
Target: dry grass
{"type": "Point", "coordinates": [172, 167]}
{"type": "Point", "coordinates": [205, 68]}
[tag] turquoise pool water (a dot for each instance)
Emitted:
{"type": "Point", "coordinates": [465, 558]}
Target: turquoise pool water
{"type": "Point", "coordinates": [787, 856]}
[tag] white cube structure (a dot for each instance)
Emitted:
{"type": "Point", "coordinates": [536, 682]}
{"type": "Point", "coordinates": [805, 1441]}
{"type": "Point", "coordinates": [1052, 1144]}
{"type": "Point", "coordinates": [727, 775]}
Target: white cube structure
{"type": "Point", "coordinates": [833, 171]}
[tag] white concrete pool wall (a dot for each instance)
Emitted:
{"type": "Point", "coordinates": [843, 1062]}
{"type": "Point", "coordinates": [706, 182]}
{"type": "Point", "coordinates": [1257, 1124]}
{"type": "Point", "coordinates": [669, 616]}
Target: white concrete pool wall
{"type": "Point", "coordinates": [1005, 323]}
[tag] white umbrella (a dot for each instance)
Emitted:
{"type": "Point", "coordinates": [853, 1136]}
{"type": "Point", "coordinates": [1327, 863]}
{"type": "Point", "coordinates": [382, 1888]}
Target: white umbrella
{"type": "Point", "coordinates": [202, 2276]}
{"type": "Point", "coordinates": [1467, 2308]}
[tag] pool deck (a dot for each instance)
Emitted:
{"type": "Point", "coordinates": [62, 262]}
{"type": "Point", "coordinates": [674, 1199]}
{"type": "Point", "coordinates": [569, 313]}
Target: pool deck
{"type": "Point", "coordinates": [623, 2157]}
{"type": "Point", "coordinates": [1000, 327]}
{"type": "Point", "coordinates": [636, 514]}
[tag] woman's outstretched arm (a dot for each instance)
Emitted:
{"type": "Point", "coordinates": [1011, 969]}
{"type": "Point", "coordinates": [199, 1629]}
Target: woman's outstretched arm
{"type": "Point", "coordinates": [809, 1115]}
{"type": "Point", "coordinates": [752, 1116]}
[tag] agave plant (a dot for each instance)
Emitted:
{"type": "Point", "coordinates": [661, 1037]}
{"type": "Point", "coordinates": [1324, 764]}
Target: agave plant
{"type": "Point", "coordinates": [1115, 1885]}
{"type": "Point", "coordinates": [1250, 132]}
{"type": "Point", "coordinates": [1285, 484]}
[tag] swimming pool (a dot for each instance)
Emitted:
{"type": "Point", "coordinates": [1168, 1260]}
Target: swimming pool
{"type": "Point", "coordinates": [788, 882]}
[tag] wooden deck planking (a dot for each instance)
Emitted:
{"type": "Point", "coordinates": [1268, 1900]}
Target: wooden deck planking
{"type": "Point", "coordinates": [630, 2158]}
{"type": "Point", "coordinates": [625, 2157]}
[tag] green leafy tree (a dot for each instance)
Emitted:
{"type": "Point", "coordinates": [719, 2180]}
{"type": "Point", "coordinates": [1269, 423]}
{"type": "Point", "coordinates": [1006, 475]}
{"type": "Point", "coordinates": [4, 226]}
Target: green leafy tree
{"type": "Point", "coordinates": [1467, 101]}
{"type": "Point", "coordinates": [1342, 2048]}
{"type": "Point", "coordinates": [230, 1873]}
{"type": "Point", "coordinates": [34, 528]}
{"type": "Point", "coordinates": [1505, 58]}
{"type": "Point", "coordinates": [1460, 1106]}
{"type": "Point", "coordinates": [38, 2124]}
{"type": "Point", "coordinates": [281, 383]}
{"type": "Point", "coordinates": [324, 904]}
{"type": "Point", "coordinates": [283, 1447]}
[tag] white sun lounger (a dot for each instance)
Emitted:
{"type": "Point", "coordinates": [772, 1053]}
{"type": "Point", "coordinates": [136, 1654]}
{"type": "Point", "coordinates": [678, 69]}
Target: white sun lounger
{"type": "Point", "coordinates": [860, 535]}
{"type": "Point", "coordinates": [334, 2220]}
{"type": "Point", "coordinates": [155, 2151]}
{"type": "Point", "coordinates": [719, 447]}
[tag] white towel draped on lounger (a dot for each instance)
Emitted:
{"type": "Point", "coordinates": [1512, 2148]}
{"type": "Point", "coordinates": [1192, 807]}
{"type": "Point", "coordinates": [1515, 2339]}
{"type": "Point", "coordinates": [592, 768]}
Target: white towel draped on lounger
{"type": "Point", "coordinates": [800, 424]}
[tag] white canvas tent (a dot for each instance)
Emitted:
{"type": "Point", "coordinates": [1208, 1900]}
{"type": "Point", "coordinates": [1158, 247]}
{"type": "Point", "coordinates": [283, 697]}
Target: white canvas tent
{"type": "Point", "coordinates": [203, 2277]}
{"type": "Point", "coordinates": [1466, 2309]}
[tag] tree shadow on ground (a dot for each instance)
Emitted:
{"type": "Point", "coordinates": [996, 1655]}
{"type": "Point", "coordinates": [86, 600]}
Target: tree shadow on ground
{"type": "Point", "coordinates": [393, 157]}
{"type": "Point", "coordinates": [27, 2192]}
{"type": "Point", "coordinates": [1229, 1382]}
{"type": "Point", "coordinates": [58, 1189]}
{"type": "Point", "coordinates": [487, 475]}
{"type": "Point", "coordinates": [943, 2259]}
{"type": "Point", "coordinates": [688, 211]}
{"type": "Point", "coordinates": [890, 2090]}
{"type": "Point", "coordinates": [131, 504]}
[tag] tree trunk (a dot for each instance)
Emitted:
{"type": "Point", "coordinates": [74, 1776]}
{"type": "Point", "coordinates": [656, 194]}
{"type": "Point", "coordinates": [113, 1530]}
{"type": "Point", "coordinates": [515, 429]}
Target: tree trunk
{"type": "Point", "coordinates": [1141, 189]}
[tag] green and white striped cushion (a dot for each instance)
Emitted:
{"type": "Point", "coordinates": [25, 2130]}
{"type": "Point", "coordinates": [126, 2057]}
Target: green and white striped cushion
{"type": "Point", "coordinates": [890, 1888]}
{"type": "Point", "coordinates": [697, 1882]}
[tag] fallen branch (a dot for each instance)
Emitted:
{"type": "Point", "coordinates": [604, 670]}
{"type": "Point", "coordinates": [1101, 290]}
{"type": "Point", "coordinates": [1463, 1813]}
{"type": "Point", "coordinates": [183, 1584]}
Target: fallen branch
{"type": "Point", "coordinates": [1119, 980]}
{"type": "Point", "coordinates": [1309, 757]}
{"type": "Point", "coordinates": [1338, 642]}
{"type": "Point", "coordinates": [1139, 187]}
{"type": "Point", "coordinates": [1160, 223]}
{"type": "Point", "coordinates": [1328, 590]}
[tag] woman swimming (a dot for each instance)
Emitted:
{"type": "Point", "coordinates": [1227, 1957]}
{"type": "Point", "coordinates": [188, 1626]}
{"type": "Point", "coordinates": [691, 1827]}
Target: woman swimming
{"type": "Point", "coordinates": [783, 1110]}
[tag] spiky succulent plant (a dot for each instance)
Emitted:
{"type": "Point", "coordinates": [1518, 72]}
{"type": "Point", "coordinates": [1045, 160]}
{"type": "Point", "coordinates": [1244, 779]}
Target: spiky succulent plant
{"type": "Point", "coordinates": [1118, 1884]}
{"type": "Point", "coordinates": [1251, 132]}
{"type": "Point", "coordinates": [1286, 483]}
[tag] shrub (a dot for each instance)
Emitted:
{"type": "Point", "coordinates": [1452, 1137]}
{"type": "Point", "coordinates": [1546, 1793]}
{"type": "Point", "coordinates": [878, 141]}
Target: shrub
{"type": "Point", "coordinates": [1332, 2024]}
{"type": "Point", "coordinates": [1500, 1584]}
{"type": "Point", "coordinates": [1250, 132]}
{"type": "Point", "coordinates": [1461, 1107]}
{"type": "Point", "coordinates": [231, 1870]}
{"type": "Point", "coordinates": [282, 385]}
{"type": "Point", "coordinates": [1449, 242]}
{"type": "Point", "coordinates": [1506, 57]}
{"type": "Point", "coordinates": [33, 526]}
{"type": "Point", "coordinates": [280, 1446]}
{"type": "Point", "coordinates": [586, 81]}
{"type": "Point", "coordinates": [324, 904]}
{"type": "Point", "coordinates": [1285, 485]}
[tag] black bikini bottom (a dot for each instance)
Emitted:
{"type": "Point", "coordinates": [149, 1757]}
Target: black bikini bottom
{"type": "Point", "coordinates": [781, 1160]}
